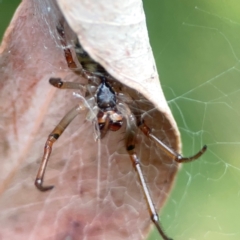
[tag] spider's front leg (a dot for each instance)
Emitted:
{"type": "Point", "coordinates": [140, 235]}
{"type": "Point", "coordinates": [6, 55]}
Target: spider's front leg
{"type": "Point", "coordinates": [171, 153]}
{"type": "Point", "coordinates": [58, 83]}
{"type": "Point", "coordinates": [131, 133]}
{"type": "Point", "coordinates": [54, 135]}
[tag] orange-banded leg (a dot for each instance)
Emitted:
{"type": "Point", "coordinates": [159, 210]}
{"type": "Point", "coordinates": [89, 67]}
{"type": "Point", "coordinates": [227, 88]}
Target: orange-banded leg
{"type": "Point", "coordinates": [54, 135]}
{"type": "Point", "coordinates": [176, 156]}
{"type": "Point", "coordinates": [131, 133]}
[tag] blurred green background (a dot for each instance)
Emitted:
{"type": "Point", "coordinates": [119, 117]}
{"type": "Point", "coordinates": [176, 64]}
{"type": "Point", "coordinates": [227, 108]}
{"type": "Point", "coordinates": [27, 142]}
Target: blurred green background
{"type": "Point", "coordinates": [196, 47]}
{"type": "Point", "coordinates": [196, 44]}
{"type": "Point", "coordinates": [7, 8]}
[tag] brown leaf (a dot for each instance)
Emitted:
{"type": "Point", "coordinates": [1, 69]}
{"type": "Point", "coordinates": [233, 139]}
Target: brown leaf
{"type": "Point", "coordinates": [96, 194]}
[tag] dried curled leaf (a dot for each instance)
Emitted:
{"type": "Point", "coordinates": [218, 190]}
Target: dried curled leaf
{"type": "Point", "coordinates": [96, 194]}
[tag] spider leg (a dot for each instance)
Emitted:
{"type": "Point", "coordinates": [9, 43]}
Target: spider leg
{"type": "Point", "coordinates": [67, 52]}
{"type": "Point", "coordinates": [52, 138]}
{"type": "Point", "coordinates": [58, 83]}
{"type": "Point", "coordinates": [176, 156]}
{"type": "Point", "coordinates": [130, 146]}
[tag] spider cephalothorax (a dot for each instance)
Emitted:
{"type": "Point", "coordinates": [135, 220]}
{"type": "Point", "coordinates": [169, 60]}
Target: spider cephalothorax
{"type": "Point", "coordinates": [110, 112]}
{"type": "Point", "coordinates": [108, 116]}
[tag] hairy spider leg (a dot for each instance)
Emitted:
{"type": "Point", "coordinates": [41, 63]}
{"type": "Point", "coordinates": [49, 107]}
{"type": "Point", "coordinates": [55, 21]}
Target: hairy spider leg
{"type": "Point", "coordinates": [52, 138]}
{"type": "Point", "coordinates": [131, 133]}
{"type": "Point", "coordinates": [176, 156]}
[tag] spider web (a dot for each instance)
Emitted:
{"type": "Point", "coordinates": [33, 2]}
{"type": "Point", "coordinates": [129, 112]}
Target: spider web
{"type": "Point", "coordinates": [196, 49]}
{"type": "Point", "coordinates": [196, 46]}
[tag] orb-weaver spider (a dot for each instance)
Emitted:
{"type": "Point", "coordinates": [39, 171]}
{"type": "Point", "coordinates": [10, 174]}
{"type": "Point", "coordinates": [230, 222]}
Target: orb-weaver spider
{"type": "Point", "coordinates": [110, 110]}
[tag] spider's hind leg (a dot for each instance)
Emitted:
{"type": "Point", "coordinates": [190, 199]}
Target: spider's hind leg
{"type": "Point", "coordinates": [77, 61]}
{"type": "Point", "coordinates": [67, 52]}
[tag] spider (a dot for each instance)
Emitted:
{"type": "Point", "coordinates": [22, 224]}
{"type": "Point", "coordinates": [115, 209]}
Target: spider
{"type": "Point", "coordinates": [110, 111]}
